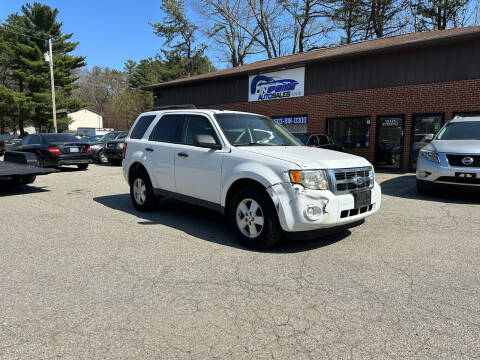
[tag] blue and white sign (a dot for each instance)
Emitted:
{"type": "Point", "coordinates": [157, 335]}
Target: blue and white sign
{"type": "Point", "coordinates": [277, 85]}
{"type": "Point", "coordinates": [291, 120]}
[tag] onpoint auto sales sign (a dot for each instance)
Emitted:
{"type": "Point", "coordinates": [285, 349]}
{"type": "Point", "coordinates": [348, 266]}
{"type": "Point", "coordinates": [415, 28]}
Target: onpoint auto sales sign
{"type": "Point", "coordinates": [277, 85]}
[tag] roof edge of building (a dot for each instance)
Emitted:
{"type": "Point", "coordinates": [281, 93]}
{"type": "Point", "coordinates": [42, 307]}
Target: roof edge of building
{"type": "Point", "coordinates": [221, 74]}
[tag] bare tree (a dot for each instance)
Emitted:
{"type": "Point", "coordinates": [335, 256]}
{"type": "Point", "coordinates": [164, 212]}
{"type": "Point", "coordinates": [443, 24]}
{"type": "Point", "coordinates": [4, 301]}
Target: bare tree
{"type": "Point", "coordinates": [231, 28]}
{"type": "Point", "coordinates": [383, 18]}
{"type": "Point", "coordinates": [347, 17]}
{"type": "Point", "coordinates": [98, 87]}
{"type": "Point", "coordinates": [310, 21]}
{"type": "Point", "coordinates": [270, 32]}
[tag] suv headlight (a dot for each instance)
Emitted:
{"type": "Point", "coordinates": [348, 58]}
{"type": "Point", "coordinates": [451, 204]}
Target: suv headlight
{"type": "Point", "coordinates": [430, 156]}
{"type": "Point", "coordinates": [311, 179]}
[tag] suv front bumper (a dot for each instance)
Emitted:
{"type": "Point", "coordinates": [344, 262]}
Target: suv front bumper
{"type": "Point", "coordinates": [443, 175]}
{"type": "Point", "coordinates": [292, 202]}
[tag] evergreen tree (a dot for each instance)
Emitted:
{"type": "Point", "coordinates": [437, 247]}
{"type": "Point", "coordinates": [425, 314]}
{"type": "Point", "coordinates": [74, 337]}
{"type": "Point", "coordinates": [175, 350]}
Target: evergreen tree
{"type": "Point", "coordinates": [181, 36]}
{"type": "Point", "coordinates": [438, 14]}
{"type": "Point", "coordinates": [37, 23]}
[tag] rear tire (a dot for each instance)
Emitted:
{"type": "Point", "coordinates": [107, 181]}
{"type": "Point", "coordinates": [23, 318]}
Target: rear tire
{"type": "Point", "coordinates": [102, 158]}
{"type": "Point", "coordinates": [141, 192]}
{"type": "Point", "coordinates": [82, 166]}
{"type": "Point", "coordinates": [253, 218]}
{"type": "Point", "coordinates": [25, 180]}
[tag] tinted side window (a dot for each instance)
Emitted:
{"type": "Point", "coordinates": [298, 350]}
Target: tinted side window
{"type": "Point", "coordinates": [26, 140]}
{"type": "Point", "coordinates": [313, 141]}
{"type": "Point", "coordinates": [36, 140]}
{"type": "Point", "coordinates": [141, 126]}
{"type": "Point", "coordinates": [324, 140]}
{"type": "Point", "coordinates": [197, 125]}
{"type": "Point", "coordinates": [168, 129]}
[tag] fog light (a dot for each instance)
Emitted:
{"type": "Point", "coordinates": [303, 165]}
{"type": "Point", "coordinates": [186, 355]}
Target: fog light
{"type": "Point", "coordinates": [424, 174]}
{"type": "Point", "coordinates": [313, 212]}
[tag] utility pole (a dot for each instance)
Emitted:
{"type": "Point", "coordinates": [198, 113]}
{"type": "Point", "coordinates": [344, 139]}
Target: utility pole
{"type": "Point", "coordinates": [52, 83]}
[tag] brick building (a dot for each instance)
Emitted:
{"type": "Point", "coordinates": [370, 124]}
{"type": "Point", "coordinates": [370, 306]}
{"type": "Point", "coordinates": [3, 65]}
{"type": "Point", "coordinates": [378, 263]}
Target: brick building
{"type": "Point", "coordinates": [379, 98]}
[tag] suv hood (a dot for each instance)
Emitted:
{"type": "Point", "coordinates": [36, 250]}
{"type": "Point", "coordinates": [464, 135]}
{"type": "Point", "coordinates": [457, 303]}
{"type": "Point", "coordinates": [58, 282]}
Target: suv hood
{"type": "Point", "coordinates": [455, 146]}
{"type": "Point", "coordinates": [309, 157]}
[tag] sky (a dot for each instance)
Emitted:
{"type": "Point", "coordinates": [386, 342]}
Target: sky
{"type": "Point", "coordinates": [109, 32]}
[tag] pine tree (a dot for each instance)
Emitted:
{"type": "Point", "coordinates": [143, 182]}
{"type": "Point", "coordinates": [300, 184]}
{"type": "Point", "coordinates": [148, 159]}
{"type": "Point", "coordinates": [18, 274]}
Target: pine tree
{"type": "Point", "coordinates": [37, 23]}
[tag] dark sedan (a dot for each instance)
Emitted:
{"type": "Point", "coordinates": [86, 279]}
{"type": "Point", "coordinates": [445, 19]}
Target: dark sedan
{"type": "Point", "coordinates": [114, 151]}
{"type": "Point", "coordinates": [3, 147]}
{"type": "Point", "coordinates": [54, 150]}
{"type": "Point", "coordinates": [97, 147]}
{"type": "Point", "coordinates": [320, 141]}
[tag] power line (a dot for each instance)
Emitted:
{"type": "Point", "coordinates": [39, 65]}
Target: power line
{"type": "Point", "coordinates": [7, 28]}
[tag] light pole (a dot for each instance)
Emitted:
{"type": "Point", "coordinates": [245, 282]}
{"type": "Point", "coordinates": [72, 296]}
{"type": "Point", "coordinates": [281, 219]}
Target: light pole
{"type": "Point", "coordinates": [52, 83]}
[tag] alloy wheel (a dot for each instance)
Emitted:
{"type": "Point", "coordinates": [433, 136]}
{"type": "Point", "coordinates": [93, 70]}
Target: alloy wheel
{"type": "Point", "coordinates": [139, 191]}
{"type": "Point", "coordinates": [250, 218]}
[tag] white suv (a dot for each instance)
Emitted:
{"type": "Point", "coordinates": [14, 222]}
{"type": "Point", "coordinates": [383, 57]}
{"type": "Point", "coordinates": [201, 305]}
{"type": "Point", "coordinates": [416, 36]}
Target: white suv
{"type": "Point", "coordinates": [249, 168]}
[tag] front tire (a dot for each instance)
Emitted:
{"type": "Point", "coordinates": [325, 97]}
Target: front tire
{"type": "Point", "coordinates": [141, 192]}
{"type": "Point", "coordinates": [254, 219]}
{"type": "Point", "coordinates": [82, 166]}
{"type": "Point", "coordinates": [422, 188]}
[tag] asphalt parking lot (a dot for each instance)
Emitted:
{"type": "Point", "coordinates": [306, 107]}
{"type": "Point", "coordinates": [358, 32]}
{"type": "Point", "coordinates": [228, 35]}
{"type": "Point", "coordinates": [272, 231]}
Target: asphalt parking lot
{"type": "Point", "coordinates": [83, 275]}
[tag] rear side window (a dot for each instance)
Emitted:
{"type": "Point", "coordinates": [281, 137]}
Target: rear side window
{"type": "Point", "coordinates": [168, 129]}
{"type": "Point", "coordinates": [197, 125]}
{"type": "Point", "coordinates": [141, 126]}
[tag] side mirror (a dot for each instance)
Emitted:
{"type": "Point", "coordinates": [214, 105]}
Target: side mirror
{"type": "Point", "coordinates": [206, 141]}
{"type": "Point", "coordinates": [428, 137]}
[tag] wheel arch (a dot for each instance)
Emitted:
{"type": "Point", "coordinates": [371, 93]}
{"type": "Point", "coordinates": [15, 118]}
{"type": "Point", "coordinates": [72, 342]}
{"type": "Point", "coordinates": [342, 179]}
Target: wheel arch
{"type": "Point", "coordinates": [134, 168]}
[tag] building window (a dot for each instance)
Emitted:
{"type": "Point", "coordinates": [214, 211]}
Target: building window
{"type": "Point", "coordinates": [351, 132]}
{"type": "Point", "coordinates": [422, 125]}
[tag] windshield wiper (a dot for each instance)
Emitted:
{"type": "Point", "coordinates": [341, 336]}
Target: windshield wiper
{"type": "Point", "coordinates": [253, 144]}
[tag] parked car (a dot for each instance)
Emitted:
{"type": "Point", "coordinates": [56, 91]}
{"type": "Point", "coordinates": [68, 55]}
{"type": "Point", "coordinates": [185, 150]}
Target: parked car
{"type": "Point", "coordinates": [91, 139]}
{"type": "Point", "coordinates": [12, 142]}
{"type": "Point", "coordinates": [97, 146]}
{"type": "Point", "coordinates": [3, 147]}
{"type": "Point", "coordinates": [266, 186]}
{"type": "Point", "coordinates": [319, 140]}
{"type": "Point", "coordinates": [452, 158]}
{"type": "Point", "coordinates": [54, 150]}
{"type": "Point", "coordinates": [114, 151]}
{"type": "Point", "coordinates": [20, 168]}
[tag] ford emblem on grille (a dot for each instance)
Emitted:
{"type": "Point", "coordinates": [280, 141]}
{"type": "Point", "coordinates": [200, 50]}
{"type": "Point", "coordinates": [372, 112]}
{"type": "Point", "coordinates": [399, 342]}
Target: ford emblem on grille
{"type": "Point", "coordinates": [359, 180]}
{"type": "Point", "coordinates": [467, 161]}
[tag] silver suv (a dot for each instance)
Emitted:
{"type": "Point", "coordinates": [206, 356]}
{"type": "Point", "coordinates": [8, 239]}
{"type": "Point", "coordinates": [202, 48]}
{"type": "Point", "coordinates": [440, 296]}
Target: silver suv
{"type": "Point", "coordinates": [452, 158]}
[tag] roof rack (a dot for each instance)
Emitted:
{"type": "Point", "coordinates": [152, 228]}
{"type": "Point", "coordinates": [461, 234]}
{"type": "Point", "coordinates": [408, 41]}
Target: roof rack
{"type": "Point", "coordinates": [175, 107]}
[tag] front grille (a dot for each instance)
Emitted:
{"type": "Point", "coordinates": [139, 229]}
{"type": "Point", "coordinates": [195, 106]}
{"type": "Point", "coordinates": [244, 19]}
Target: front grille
{"type": "Point", "coordinates": [353, 212]}
{"type": "Point", "coordinates": [345, 179]}
{"type": "Point", "coordinates": [456, 160]}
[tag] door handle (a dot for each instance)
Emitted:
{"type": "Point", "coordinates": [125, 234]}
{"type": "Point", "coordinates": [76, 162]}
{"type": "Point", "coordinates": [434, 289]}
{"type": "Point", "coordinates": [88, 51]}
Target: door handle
{"type": "Point", "coordinates": [149, 149]}
{"type": "Point", "coordinates": [183, 154]}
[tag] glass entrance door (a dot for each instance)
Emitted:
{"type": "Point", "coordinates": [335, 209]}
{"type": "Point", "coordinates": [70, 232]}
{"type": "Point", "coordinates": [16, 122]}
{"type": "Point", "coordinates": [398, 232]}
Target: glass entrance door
{"type": "Point", "coordinates": [423, 125]}
{"type": "Point", "coordinates": [389, 145]}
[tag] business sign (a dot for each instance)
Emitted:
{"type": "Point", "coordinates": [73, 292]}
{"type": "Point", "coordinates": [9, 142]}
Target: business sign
{"type": "Point", "coordinates": [277, 85]}
{"type": "Point", "coordinates": [291, 120]}
{"type": "Point", "coordinates": [391, 122]}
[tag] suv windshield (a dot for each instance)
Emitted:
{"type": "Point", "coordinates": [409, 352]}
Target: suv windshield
{"type": "Point", "coordinates": [109, 136]}
{"type": "Point", "coordinates": [249, 129]}
{"type": "Point", "coordinates": [463, 130]}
